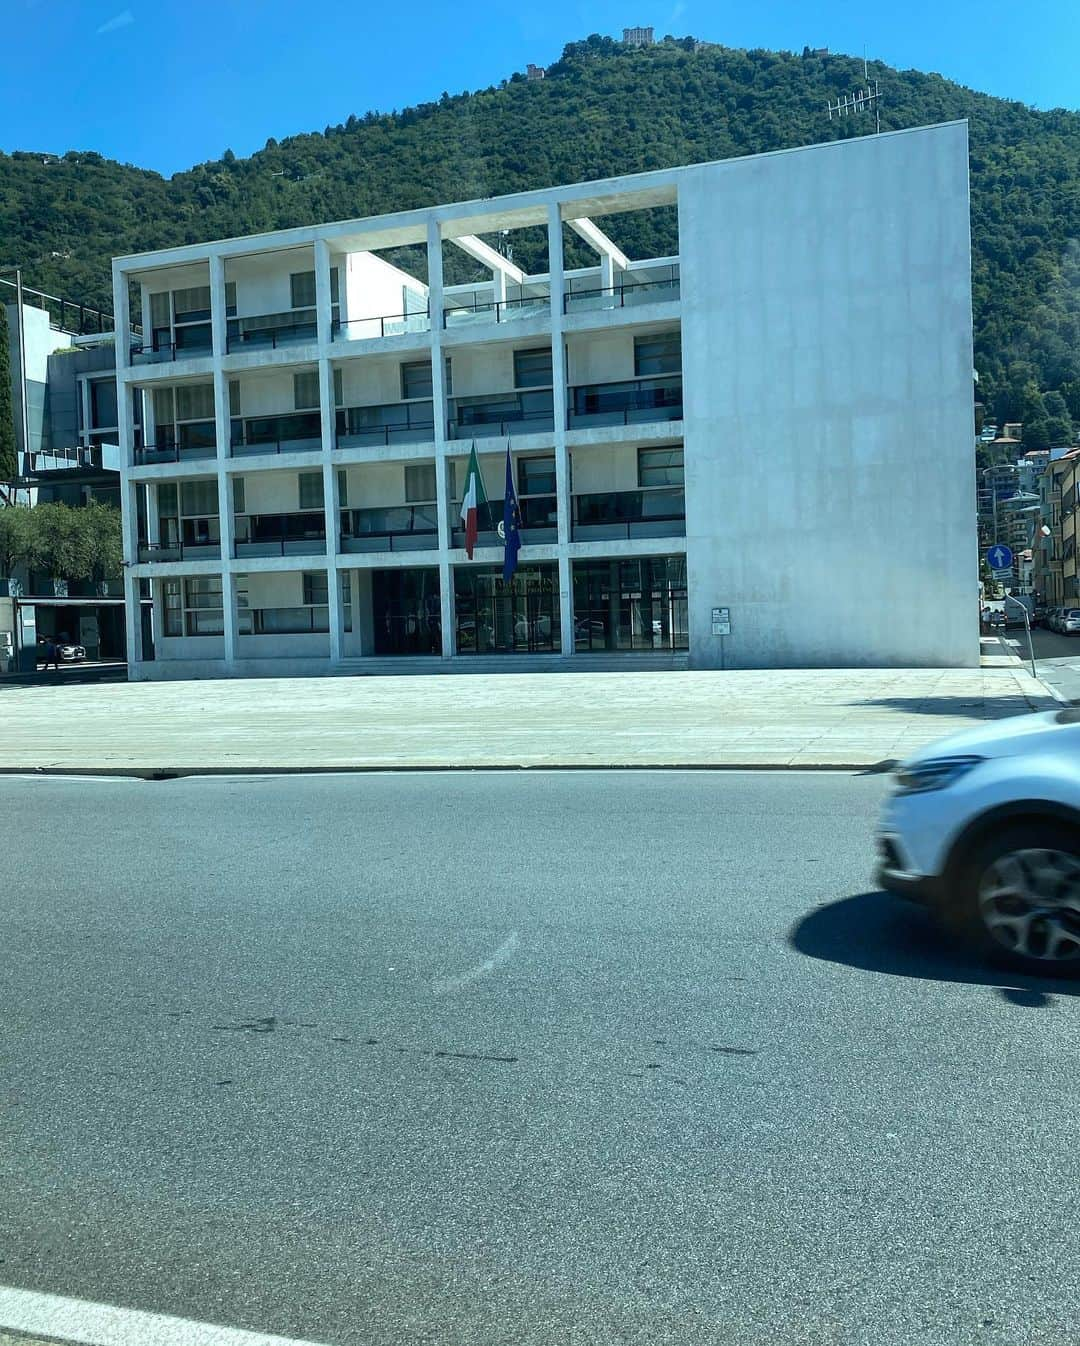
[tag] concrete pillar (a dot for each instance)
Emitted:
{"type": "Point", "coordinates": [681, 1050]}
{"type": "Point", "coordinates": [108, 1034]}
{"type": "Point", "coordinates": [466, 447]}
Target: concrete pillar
{"type": "Point", "coordinates": [121, 321]}
{"type": "Point", "coordinates": [327, 420]}
{"type": "Point", "coordinates": [607, 271]}
{"type": "Point", "coordinates": [218, 320]}
{"type": "Point", "coordinates": [498, 286]}
{"type": "Point", "coordinates": [323, 312]}
{"type": "Point", "coordinates": [153, 518]}
{"type": "Point", "coordinates": [129, 517]}
{"type": "Point", "coordinates": [442, 446]}
{"type": "Point", "coordinates": [225, 508]}
{"type": "Point", "coordinates": [556, 267]}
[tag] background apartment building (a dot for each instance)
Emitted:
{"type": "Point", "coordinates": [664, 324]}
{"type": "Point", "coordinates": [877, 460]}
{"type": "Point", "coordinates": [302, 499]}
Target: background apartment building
{"type": "Point", "coordinates": [677, 426]}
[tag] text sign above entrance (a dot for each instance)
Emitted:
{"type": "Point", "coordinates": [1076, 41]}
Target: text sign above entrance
{"type": "Point", "coordinates": [721, 621]}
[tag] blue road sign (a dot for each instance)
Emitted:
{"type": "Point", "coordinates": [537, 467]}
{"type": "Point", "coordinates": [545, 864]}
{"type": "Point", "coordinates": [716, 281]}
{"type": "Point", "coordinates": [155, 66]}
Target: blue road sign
{"type": "Point", "coordinates": [999, 557]}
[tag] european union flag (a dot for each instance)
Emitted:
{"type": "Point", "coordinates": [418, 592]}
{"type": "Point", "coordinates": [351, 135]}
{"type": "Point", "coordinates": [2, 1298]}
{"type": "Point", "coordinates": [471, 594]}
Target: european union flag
{"type": "Point", "coordinates": [511, 522]}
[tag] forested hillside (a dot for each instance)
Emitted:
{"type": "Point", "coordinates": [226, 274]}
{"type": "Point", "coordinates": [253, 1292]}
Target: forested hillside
{"type": "Point", "coordinates": [604, 109]}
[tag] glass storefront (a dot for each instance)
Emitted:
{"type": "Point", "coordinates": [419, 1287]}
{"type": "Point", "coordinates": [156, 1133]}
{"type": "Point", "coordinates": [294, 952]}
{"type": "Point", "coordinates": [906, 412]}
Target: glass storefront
{"type": "Point", "coordinates": [496, 616]}
{"type": "Point", "coordinates": [406, 611]}
{"type": "Point", "coordinates": [635, 604]}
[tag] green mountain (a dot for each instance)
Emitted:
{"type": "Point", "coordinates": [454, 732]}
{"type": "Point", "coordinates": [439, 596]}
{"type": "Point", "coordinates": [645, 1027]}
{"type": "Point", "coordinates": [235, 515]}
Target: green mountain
{"type": "Point", "coordinates": [605, 109]}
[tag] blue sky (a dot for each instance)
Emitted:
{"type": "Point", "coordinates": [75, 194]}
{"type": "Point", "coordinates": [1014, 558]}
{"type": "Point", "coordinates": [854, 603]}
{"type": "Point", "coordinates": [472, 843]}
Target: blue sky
{"type": "Point", "coordinates": [168, 83]}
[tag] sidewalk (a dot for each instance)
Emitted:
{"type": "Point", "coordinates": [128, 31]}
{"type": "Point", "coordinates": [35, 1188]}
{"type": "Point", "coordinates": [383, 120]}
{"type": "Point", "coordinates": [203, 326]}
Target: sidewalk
{"type": "Point", "coordinates": [794, 718]}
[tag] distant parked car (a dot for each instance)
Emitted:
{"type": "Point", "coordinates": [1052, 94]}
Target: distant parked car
{"type": "Point", "coordinates": [1070, 622]}
{"type": "Point", "coordinates": [71, 654]}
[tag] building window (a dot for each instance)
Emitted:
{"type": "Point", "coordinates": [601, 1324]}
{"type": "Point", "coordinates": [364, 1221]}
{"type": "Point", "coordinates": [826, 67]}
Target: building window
{"type": "Point", "coordinates": [234, 397]}
{"type": "Point", "coordinates": [638, 604]}
{"type": "Point", "coordinates": [420, 483]}
{"type": "Point", "coordinates": [203, 610]}
{"type": "Point", "coordinates": [416, 379]}
{"type": "Point", "coordinates": [659, 354]}
{"type": "Point", "coordinates": [311, 490]}
{"type": "Point", "coordinates": [660, 467]}
{"type": "Point", "coordinates": [306, 389]}
{"type": "Point", "coordinates": [532, 369]}
{"type": "Point", "coordinates": [198, 499]}
{"type": "Point", "coordinates": [342, 487]}
{"type": "Point", "coordinates": [195, 402]}
{"type": "Point", "coordinates": [174, 611]}
{"type": "Point", "coordinates": [316, 588]}
{"type": "Point", "coordinates": [339, 394]}
{"type": "Point", "coordinates": [103, 413]}
{"type": "Point", "coordinates": [192, 305]}
{"type": "Point", "coordinates": [516, 616]}
{"type": "Point", "coordinates": [302, 289]}
{"type": "Point", "coordinates": [238, 495]}
{"type": "Point", "coordinates": [407, 611]}
{"type": "Point", "coordinates": [536, 476]}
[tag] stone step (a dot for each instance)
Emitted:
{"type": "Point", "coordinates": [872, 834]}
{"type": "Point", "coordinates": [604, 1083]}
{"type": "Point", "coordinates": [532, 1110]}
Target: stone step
{"type": "Point", "coordinates": [634, 660]}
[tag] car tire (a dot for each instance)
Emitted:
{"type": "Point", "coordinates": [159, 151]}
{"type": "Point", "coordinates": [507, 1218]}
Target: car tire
{"type": "Point", "coordinates": [1017, 898]}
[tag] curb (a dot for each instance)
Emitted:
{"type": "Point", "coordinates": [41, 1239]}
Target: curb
{"type": "Point", "coordinates": [180, 773]}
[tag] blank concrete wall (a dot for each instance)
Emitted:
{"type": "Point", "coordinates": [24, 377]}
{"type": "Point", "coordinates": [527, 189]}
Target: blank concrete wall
{"type": "Point", "coordinates": [829, 433]}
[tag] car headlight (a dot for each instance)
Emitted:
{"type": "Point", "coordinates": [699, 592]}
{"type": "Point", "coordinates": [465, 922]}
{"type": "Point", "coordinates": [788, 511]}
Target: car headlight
{"type": "Point", "coordinates": [936, 773]}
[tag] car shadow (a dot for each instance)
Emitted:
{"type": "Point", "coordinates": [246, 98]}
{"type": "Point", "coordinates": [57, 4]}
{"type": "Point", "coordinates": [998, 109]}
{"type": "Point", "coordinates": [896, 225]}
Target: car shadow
{"type": "Point", "coordinates": [878, 932]}
{"type": "Point", "coordinates": [974, 708]}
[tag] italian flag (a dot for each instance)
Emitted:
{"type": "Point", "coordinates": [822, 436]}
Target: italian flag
{"type": "Point", "coordinates": [475, 497]}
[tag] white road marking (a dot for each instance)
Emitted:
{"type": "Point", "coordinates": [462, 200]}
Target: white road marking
{"type": "Point", "coordinates": [502, 954]}
{"type": "Point", "coordinates": [88, 1324]}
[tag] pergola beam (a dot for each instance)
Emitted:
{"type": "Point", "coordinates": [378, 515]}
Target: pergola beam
{"type": "Point", "coordinates": [487, 256]}
{"type": "Point", "coordinates": [596, 238]}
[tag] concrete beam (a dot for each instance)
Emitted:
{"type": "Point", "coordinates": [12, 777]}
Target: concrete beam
{"type": "Point", "coordinates": [487, 256]}
{"type": "Point", "coordinates": [596, 238]}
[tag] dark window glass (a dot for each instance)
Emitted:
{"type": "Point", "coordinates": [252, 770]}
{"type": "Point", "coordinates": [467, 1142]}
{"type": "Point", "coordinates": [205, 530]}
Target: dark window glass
{"type": "Point", "coordinates": [103, 403]}
{"type": "Point", "coordinates": [316, 588]}
{"type": "Point", "coordinates": [497, 616]}
{"type": "Point", "coordinates": [637, 604]}
{"type": "Point", "coordinates": [406, 611]}
{"type": "Point", "coordinates": [420, 483]}
{"type": "Point", "coordinates": [536, 476]}
{"type": "Point", "coordinates": [532, 369]}
{"type": "Point", "coordinates": [302, 289]}
{"type": "Point", "coordinates": [416, 379]}
{"type": "Point", "coordinates": [660, 467]}
{"type": "Point", "coordinates": [659, 354]}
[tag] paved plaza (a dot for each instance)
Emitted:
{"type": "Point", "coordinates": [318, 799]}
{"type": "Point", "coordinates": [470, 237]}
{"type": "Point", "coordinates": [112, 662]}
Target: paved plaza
{"type": "Point", "coordinates": [795, 718]}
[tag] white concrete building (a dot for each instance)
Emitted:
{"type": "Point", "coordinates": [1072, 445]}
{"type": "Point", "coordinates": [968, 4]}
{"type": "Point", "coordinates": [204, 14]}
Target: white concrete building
{"type": "Point", "coordinates": [775, 421]}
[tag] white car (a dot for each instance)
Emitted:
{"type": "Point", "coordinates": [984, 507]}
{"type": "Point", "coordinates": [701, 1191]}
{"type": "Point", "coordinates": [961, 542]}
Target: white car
{"type": "Point", "coordinates": [1070, 622]}
{"type": "Point", "coordinates": [984, 827]}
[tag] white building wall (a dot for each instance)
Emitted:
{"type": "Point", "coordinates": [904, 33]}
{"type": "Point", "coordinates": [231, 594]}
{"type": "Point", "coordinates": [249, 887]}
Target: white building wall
{"type": "Point", "coordinates": [371, 382]}
{"type": "Point", "coordinates": [272, 492]}
{"type": "Point", "coordinates": [267, 394]}
{"type": "Point", "coordinates": [826, 315]}
{"type": "Point", "coordinates": [610, 467]}
{"type": "Point", "coordinates": [372, 288]}
{"type": "Point", "coordinates": [262, 282]}
{"type": "Point", "coordinates": [600, 357]}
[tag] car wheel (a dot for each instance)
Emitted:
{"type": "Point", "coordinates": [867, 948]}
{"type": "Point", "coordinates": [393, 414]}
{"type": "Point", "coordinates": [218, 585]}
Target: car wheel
{"type": "Point", "coordinates": [1019, 899]}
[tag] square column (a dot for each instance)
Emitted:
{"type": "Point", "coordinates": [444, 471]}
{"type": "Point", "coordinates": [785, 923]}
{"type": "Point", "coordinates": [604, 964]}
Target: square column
{"type": "Point", "coordinates": [556, 269]}
{"type": "Point", "coordinates": [442, 445]}
{"type": "Point", "coordinates": [327, 419]}
{"type": "Point", "coordinates": [218, 321]}
{"type": "Point", "coordinates": [223, 434]}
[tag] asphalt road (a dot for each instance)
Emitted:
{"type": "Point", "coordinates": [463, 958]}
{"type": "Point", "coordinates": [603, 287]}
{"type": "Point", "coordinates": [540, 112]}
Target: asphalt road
{"type": "Point", "coordinates": [575, 1058]}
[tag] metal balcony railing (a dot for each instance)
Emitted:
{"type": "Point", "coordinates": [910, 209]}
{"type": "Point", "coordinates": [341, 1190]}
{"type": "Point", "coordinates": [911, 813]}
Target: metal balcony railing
{"type": "Point", "coordinates": [367, 329]}
{"type": "Point", "coordinates": [298, 534]}
{"type": "Point", "coordinates": [626, 295]}
{"type": "Point", "coordinates": [633, 402]}
{"type": "Point", "coordinates": [245, 333]}
{"type": "Point", "coordinates": [161, 352]}
{"type": "Point", "coordinates": [652, 512]}
{"type": "Point", "coordinates": [456, 314]}
{"type": "Point", "coordinates": [152, 552]}
{"type": "Point", "coordinates": [397, 528]}
{"type": "Point", "coordinates": [173, 453]}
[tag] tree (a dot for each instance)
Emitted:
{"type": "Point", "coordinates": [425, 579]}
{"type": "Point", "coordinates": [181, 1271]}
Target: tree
{"type": "Point", "coordinates": [15, 531]}
{"type": "Point", "coordinates": [9, 466]}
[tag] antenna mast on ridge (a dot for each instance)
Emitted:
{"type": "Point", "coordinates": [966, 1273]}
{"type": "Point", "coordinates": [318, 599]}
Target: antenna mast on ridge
{"type": "Point", "coordinates": [867, 99]}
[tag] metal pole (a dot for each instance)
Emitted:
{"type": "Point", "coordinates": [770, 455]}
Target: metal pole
{"type": "Point", "coordinates": [24, 419]}
{"type": "Point", "coordinates": [1027, 627]}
